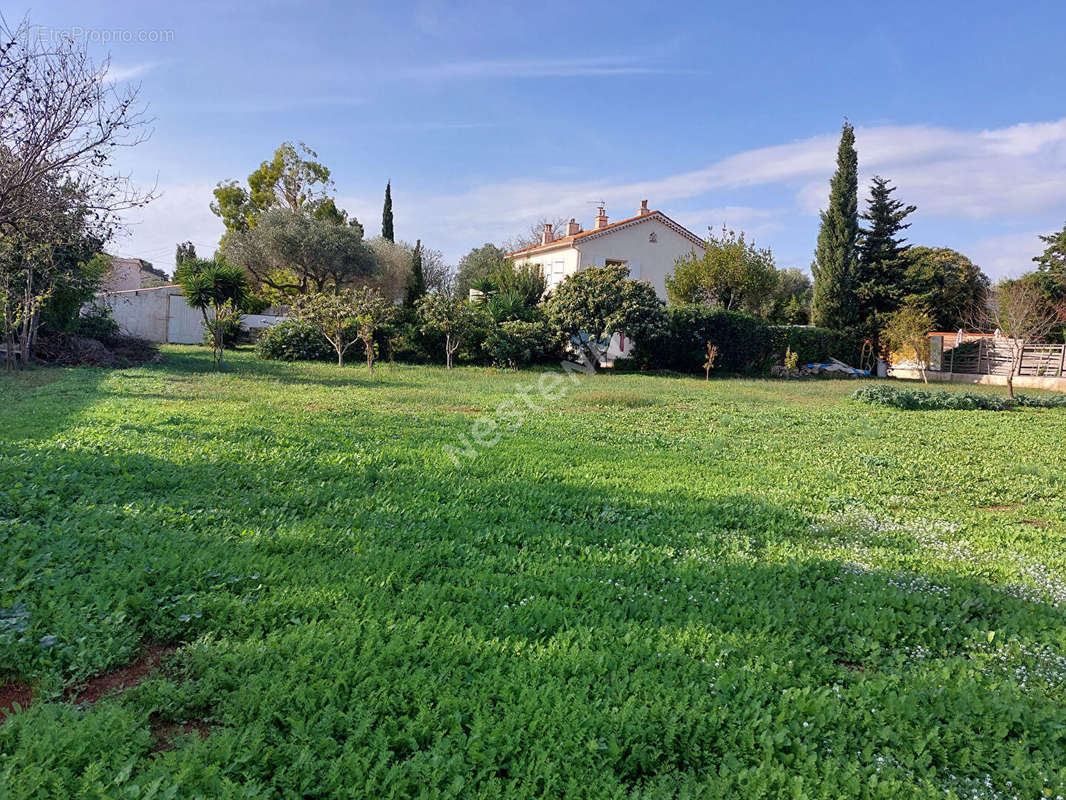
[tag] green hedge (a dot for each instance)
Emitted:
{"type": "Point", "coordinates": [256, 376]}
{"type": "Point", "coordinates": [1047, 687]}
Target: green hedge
{"type": "Point", "coordinates": [746, 344]}
{"type": "Point", "coordinates": [918, 400]}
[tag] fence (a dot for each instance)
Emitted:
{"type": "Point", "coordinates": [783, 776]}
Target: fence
{"type": "Point", "coordinates": [995, 356]}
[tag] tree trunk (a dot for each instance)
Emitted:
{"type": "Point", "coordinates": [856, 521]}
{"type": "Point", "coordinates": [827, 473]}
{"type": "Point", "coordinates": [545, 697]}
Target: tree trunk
{"type": "Point", "coordinates": [448, 350]}
{"type": "Point", "coordinates": [370, 356]}
{"type": "Point", "coordinates": [340, 357]}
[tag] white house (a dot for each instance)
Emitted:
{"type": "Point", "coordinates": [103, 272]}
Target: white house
{"type": "Point", "coordinates": [649, 244]}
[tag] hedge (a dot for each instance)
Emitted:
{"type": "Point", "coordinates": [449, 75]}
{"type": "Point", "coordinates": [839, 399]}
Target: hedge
{"type": "Point", "coordinates": [746, 344]}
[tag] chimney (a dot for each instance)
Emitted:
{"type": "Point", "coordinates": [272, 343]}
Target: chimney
{"type": "Point", "coordinates": [572, 227]}
{"type": "Point", "coordinates": [546, 236]}
{"type": "Point", "coordinates": [643, 209]}
{"type": "Point", "coordinates": [601, 218]}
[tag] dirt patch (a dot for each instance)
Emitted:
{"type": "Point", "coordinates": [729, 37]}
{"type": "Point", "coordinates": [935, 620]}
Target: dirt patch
{"type": "Point", "coordinates": [1038, 523]}
{"type": "Point", "coordinates": [164, 732]}
{"type": "Point", "coordinates": [463, 409]}
{"type": "Point", "coordinates": [11, 693]}
{"type": "Point", "coordinates": [125, 677]}
{"type": "Point", "coordinates": [1000, 507]}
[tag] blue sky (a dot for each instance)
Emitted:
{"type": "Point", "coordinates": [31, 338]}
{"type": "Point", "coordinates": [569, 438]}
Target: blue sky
{"type": "Point", "coordinates": [488, 115]}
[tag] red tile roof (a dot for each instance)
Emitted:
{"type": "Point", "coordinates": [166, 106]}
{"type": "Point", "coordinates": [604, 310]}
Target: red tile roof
{"type": "Point", "coordinates": [565, 240]}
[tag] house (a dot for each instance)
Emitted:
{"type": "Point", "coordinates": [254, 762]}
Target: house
{"type": "Point", "coordinates": [649, 244]}
{"type": "Point", "coordinates": [131, 273]}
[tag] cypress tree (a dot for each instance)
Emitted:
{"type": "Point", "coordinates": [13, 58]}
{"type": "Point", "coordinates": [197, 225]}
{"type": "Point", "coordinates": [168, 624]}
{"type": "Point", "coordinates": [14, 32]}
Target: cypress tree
{"type": "Point", "coordinates": [880, 277]}
{"type": "Point", "coordinates": [834, 302]}
{"type": "Point", "coordinates": [386, 215]}
{"type": "Point", "coordinates": [416, 281]}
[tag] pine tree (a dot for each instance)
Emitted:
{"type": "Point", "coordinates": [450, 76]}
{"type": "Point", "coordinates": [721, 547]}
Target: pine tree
{"type": "Point", "coordinates": [834, 301]}
{"type": "Point", "coordinates": [881, 266]}
{"type": "Point", "coordinates": [416, 282]}
{"type": "Point", "coordinates": [386, 215]}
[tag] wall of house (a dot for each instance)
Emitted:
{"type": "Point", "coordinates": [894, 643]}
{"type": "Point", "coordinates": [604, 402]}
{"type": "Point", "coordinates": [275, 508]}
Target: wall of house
{"type": "Point", "coordinates": [556, 264]}
{"type": "Point", "coordinates": [125, 274]}
{"type": "Point", "coordinates": [647, 260]}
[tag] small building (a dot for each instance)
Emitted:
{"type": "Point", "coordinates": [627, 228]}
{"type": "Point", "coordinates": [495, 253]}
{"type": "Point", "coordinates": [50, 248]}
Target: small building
{"type": "Point", "coordinates": [649, 244]}
{"type": "Point", "coordinates": [131, 273]}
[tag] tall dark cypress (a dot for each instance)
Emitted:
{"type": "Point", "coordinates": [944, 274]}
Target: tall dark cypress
{"type": "Point", "coordinates": [416, 281]}
{"type": "Point", "coordinates": [881, 269]}
{"type": "Point", "coordinates": [386, 215]}
{"type": "Point", "coordinates": [834, 302]}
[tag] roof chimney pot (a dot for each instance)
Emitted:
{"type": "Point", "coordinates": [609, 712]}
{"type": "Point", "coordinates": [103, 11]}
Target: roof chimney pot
{"type": "Point", "coordinates": [601, 218]}
{"type": "Point", "coordinates": [572, 228]}
{"type": "Point", "coordinates": [643, 209]}
{"type": "Point", "coordinates": [546, 236]}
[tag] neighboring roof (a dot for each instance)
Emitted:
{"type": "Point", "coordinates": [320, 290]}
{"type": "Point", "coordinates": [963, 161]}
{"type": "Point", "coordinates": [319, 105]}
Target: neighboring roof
{"type": "Point", "coordinates": [563, 241]}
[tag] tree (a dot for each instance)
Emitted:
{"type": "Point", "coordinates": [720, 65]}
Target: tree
{"type": "Point", "coordinates": [791, 301]}
{"type": "Point", "coordinates": [880, 267]}
{"type": "Point", "coordinates": [526, 281]}
{"type": "Point", "coordinates": [908, 329]}
{"type": "Point", "coordinates": [1051, 273]}
{"type": "Point", "coordinates": [185, 251]}
{"type": "Point", "coordinates": [47, 265]}
{"type": "Point", "coordinates": [291, 253]}
{"type": "Point", "coordinates": [451, 317]}
{"type": "Point", "coordinates": [532, 235]}
{"type": "Point", "coordinates": [481, 262]}
{"type": "Point", "coordinates": [438, 275]}
{"type": "Point", "coordinates": [372, 313]}
{"type": "Point", "coordinates": [834, 304]}
{"type": "Point", "coordinates": [386, 215]}
{"type": "Point", "coordinates": [945, 283]}
{"type": "Point", "coordinates": [61, 121]}
{"type": "Point", "coordinates": [333, 315]}
{"type": "Point", "coordinates": [292, 179]}
{"type": "Point", "coordinates": [593, 304]}
{"type": "Point", "coordinates": [219, 290]}
{"type": "Point", "coordinates": [416, 282]}
{"type": "Point", "coordinates": [731, 274]}
{"type": "Point", "coordinates": [1018, 310]}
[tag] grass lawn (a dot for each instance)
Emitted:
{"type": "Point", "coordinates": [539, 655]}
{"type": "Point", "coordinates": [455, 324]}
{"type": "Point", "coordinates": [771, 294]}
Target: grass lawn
{"type": "Point", "coordinates": [654, 587]}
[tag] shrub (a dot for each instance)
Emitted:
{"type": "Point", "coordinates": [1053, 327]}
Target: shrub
{"type": "Point", "coordinates": [918, 400]}
{"type": "Point", "coordinates": [97, 323]}
{"type": "Point", "coordinates": [231, 331]}
{"type": "Point", "coordinates": [516, 343]}
{"type": "Point", "coordinates": [293, 340]}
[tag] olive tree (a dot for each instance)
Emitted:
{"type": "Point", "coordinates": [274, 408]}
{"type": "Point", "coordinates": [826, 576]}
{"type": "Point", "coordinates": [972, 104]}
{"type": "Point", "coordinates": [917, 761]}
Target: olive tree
{"type": "Point", "coordinates": [345, 317]}
{"type": "Point", "coordinates": [293, 253]}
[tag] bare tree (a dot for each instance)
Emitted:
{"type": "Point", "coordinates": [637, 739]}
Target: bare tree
{"type": "Point", "coordinates": [531, 236]}
{"type": "Point", "coordinates": [1018, 310]}
{"type": "Point", "coordinates": [60, 120]}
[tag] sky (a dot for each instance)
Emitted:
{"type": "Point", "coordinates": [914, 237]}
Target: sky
{"type": "Point", "coordinates": [489, 115]}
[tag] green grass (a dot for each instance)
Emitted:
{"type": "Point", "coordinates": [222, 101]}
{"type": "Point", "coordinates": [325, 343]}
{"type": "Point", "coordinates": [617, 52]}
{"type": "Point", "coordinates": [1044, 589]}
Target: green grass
{"type": "Point", "coordinates": [655, 587]}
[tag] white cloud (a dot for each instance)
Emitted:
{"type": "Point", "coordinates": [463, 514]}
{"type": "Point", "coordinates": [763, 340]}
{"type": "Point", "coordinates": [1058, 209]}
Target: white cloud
{"type": "Point", "coordinates": [181, 213]}
{"type": "Point", "coordinates": [1008, 255]}
{"type": "Point", "coordinates": [604, 66]}
{"type": "Point", "coordinates": [119, 73]}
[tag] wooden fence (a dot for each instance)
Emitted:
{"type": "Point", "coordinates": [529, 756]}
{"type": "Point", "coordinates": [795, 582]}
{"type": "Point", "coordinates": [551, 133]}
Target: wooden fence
{"type": "Point", "coordinates": [994, 356]}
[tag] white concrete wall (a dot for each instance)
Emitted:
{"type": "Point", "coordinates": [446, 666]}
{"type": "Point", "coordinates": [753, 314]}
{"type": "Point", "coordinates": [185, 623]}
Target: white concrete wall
{"type": "Point", "coordinates": [142, 312]}
{"type": "Point", "coordinates": [555, 264]}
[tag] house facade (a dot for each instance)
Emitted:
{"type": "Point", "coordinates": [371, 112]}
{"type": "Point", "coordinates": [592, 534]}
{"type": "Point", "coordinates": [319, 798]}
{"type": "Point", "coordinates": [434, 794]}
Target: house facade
{"type": "Point", "coordinates": [126, 274]}
{"type": "Point", "coordinates": [649, 244]}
